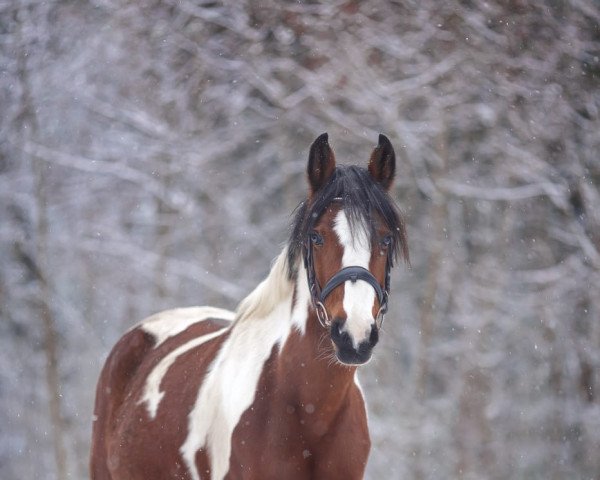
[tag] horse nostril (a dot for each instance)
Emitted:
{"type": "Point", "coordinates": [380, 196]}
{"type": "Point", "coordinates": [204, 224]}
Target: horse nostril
{"type": "Point", "coordinates": [338, 335]}
{"type": "Point", "coordinates": [336, 328]}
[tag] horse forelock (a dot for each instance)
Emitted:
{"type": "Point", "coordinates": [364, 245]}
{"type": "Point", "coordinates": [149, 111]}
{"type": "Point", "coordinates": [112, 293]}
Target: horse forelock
{"type": "Point", "coordinates": [362, 199]}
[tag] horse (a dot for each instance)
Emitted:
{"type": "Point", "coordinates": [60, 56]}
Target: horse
{"type": "Point", "coordinates": [270, 390]}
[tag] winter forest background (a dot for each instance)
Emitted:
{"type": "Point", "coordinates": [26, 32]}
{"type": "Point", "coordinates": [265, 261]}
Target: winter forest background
{"type": "Point", "coordinates": [152, 151]}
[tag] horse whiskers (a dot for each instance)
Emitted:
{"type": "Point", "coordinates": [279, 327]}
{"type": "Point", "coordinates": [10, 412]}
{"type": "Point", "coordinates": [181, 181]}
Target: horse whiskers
{"type": "Point", "coordinates": [324, 349]}
{"type": "Point", "coordinates": [327, 353]}
{"type": "Point", "coordinates": [333, 360]}
{"type": "Point", "coordinates": [324, 354]}
{"type": "Point", "coordinates": [323, 338]}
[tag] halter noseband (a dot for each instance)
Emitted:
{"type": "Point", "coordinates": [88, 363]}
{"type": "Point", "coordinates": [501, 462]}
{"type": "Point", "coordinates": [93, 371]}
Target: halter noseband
{"type": "Point", "coordinates": [352, 273]}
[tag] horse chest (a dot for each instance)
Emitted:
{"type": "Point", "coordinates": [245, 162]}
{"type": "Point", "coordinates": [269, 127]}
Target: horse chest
{"type": "Point", "coordinates": [283, 439]}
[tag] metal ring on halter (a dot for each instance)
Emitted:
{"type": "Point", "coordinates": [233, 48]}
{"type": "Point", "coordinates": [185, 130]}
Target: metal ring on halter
{"type": "Point", "coordinates": [322, 315]}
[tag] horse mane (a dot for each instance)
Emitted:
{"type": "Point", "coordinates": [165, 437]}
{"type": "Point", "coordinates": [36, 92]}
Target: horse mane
{"type": "Point", "coordinates": [363, 199]}
{"type": "Point", "coordinates": [269, 293]}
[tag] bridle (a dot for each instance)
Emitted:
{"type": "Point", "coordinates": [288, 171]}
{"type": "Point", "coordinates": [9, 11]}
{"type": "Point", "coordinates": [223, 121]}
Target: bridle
{"type": "Point", "coordinates": [352, 273]}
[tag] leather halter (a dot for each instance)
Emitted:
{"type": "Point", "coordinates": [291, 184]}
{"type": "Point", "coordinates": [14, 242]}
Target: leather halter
{"type": "Point", "coordinates": [352, 273]}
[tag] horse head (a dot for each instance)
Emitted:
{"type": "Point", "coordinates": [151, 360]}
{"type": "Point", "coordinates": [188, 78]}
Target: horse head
{"type": "Point", "coordinates": [348, 233]}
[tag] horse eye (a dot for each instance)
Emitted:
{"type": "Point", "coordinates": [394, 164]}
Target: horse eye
{"type": "Point", "coordinates": [316, 239]}
{"type": "Point", "coordinates": [386, 241]}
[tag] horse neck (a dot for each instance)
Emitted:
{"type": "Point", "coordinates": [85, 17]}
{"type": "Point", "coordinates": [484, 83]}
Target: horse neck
{"type": "Point", "coordinates": [318, 377]}
{"type": "Point", "coordinates": [308, 358]}
{"type": "Point", "coordinates": [280, 312]}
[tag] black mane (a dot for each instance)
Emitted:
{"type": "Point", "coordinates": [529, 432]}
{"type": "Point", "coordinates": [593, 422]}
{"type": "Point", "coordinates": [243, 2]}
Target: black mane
{"type": "Point", "coordinates": [361, 197]}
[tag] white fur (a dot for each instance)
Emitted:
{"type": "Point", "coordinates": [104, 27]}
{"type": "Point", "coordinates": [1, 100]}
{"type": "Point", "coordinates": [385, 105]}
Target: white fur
{"type": "Point", "coordinates": [359, 296]}
{"type": "Point", "coordinates": [172, 322]}
{"type": "Point", "coordinates": [264, 319]}
{"type": "Point", "coordinates": [152, 394]}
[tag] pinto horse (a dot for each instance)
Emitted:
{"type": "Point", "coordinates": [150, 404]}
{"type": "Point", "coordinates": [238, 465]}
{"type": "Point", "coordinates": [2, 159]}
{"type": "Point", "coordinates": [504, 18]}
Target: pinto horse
{"type": "Point", "coordinates": [270, 391]}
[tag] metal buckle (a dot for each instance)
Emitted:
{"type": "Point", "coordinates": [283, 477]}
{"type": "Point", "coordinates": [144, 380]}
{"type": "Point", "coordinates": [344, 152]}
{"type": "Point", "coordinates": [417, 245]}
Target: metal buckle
{"type": "Point", "coordinates": [322, 315]}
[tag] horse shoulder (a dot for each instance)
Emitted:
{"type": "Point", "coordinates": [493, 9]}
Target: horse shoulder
{"type": "Point", "coordinates": [129, 371]}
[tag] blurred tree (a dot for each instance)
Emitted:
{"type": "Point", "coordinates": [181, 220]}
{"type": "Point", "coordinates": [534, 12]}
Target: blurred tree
{"type": "Point", "coordinates": [152, 151]}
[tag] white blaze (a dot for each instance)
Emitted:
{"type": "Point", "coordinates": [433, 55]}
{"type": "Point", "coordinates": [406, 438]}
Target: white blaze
{"type": "Point", "coordinates": [359, 296]}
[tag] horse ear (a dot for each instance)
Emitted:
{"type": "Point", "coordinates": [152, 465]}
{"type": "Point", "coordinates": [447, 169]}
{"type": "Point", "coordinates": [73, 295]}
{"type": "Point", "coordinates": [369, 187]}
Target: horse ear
{"type": "Point", "coordinates": [321, 163]}
{"type": "Point", "coordinates": [382, 165]}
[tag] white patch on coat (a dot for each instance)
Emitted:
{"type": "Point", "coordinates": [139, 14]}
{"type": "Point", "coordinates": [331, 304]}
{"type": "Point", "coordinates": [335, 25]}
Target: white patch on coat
{"type": "Point", "coordinates": [359, 296]}
{"type": "Point", "coordinates": [264, 320]}
{"type": "Point", "coordinates": [169, 323]}
{"type": "Point", "coordinates": [362, 393]}
{"type": "Point", "coordinates": [152, 394]}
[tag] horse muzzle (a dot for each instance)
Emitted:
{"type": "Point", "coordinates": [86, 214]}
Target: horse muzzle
{"type": "Point", "coordinates": [345, 350]}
